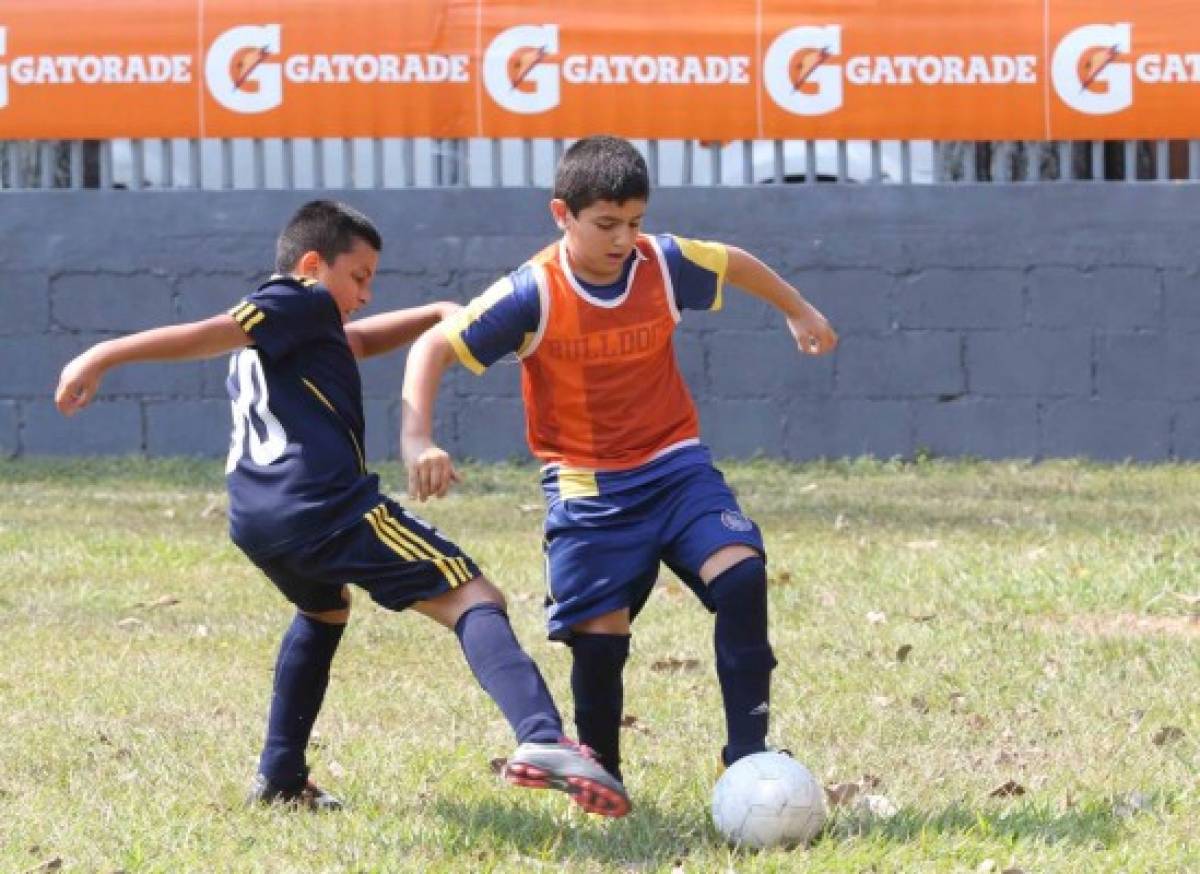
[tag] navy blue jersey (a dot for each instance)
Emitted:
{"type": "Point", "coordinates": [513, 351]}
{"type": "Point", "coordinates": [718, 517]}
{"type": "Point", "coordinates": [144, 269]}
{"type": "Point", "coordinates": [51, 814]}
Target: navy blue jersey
{"type": "Point", "coordinates": [296, 467]}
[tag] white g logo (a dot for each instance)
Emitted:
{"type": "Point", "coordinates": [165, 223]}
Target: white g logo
{"type": "Point", "coordinates": [3, 68]}
{"type": "Point", "coordinates": [1087, 72]}
{"type": "Point", "coordinates": [515, 72]}
{"type": "Point", "coordinates": [238, 72]}
{"type": "Point", "coordinates": [795, 72]}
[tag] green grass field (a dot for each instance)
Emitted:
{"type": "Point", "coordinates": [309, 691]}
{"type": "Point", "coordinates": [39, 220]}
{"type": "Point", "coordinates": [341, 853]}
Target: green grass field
{"type": "Point", "coordinates": [1009, 654]}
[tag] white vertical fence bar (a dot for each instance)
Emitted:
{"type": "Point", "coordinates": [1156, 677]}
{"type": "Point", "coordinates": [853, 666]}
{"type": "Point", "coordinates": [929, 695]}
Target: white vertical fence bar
{"type": "Point", "coordinates": [47, 161]}
{"type": "Point", "coordinates": [1097, 160]}
{"type": "Point", "coordinates": [1130, 152]}
{"type": "Point", "coordinates": [652, 161]}
{"type": "Point", "coordinates": [1162, 160]}
{"type": "Point", "coordinates": [1194, 160]}
{"type": "Point", "coordinates": [778, 171]}
{"type": "Point", "coordinates": [77, 164]}
{"type": "Point", "coordinates": [1066, 160]}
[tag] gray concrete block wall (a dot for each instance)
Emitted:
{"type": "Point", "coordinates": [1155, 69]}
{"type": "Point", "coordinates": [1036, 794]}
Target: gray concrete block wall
{"type": "Point", "coordinates": [995, 321]}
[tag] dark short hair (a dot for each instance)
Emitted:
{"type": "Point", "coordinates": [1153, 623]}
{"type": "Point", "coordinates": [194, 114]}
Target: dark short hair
{"type": "Point", "coordinates": [326, 227]}
{"type": "Point", "coordinates": [601, 167]}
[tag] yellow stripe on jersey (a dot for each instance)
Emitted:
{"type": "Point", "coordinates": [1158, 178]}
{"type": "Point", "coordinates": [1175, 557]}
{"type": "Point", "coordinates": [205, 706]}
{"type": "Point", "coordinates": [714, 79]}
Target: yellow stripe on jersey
{"type": "Point", "coordinates": [362, 462]}
{"type": "Point", "coordinates": [713, 257]}
{"type": "Point", "coordinates": [454, 575]}
{"type": "Point", "coordinates": [454, 327]}
{"type": "Point", "coordinates": [574, 483]}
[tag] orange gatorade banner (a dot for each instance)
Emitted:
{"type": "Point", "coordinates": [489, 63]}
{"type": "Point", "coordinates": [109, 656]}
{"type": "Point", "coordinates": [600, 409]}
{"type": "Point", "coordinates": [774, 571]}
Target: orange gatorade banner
{"type": "Point", "coordinates": [701, 69]}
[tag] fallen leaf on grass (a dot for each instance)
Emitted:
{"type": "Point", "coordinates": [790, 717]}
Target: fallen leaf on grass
{"type": "Point", "coordinates": [1007, 789]}
{"type": "Point", "coordinates": [841, 793]}
{"type": "Point", "coordinates": [529, 508]}
{"type": "Point", "coordinates": [919, 704]}
{"type": "Point", "coordinates": [876, 617]}
{"type": "Point", "coordinates": [783, 578]}
{"type": "Point", "coordinates": [923, 617]}
{"type": "Point", "coordinates": [958, 702]}
{"type": "Point", "coordinates": [1167, 734]}
{"type": "Point", "coordinates": [632, 723]}
{"type": "Point", "coordinates": [903, 652]}
{"type": "Point", "coordinates": [672, 664]}
{"type": "Point", "coordinates": [986, 866]}
{"type": "Point", "coordinates": [163, 601]}
{"type": "Point", "coordinates": [130, 622]}
{"type": "Point", "coordinates": [498, 764]}
{"type": "Point", "coordinates": [977, 722]}
{"type": "Point", "coordinates": [49, 865]}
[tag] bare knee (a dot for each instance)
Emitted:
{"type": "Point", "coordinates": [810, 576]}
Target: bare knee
{"type": "Point", "coordinates": [448, 607]}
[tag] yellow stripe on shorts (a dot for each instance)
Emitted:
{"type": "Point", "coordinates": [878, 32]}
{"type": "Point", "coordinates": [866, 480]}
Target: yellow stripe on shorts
{"type": "Point", "coordinates": [454, 574]}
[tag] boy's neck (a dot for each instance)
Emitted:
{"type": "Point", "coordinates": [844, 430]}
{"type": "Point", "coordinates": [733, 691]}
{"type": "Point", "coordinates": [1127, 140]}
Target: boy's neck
{"type": "Point", "coordinates": [587, 275]}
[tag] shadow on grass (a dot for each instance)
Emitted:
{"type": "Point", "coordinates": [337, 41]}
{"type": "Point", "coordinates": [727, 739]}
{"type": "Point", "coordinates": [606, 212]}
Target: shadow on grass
{"type": "Point", "coordinates": [1090, 824]}
{"type": "Point", "coordinates": [647, 836]}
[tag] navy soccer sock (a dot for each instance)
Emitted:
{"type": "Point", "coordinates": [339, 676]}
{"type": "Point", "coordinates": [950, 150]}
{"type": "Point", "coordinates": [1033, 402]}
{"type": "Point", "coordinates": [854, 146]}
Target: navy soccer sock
{"type": "Point", "coordinates": [744, 656]}
{"type": "Point", "coordinates": [301, 677]}
{"type": "Point", "coordinates": [507, 673]}
{"type": "Point", "coordinates": [599, 692]}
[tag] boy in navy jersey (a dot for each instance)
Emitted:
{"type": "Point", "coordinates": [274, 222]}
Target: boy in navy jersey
{"type": "Point", "coordinates": [304, 509]}
{"type": "Point", "coordinates": [628, 484]}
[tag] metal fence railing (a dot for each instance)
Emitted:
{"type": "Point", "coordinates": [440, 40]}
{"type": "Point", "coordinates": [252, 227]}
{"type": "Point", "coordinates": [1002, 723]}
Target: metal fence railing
{"type": "Point", "coordinates": [432, 163]}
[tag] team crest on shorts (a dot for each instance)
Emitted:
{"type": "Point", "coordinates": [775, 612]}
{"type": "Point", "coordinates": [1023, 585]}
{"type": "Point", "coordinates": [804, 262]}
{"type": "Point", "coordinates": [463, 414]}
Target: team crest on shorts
{"type": "Point", "coordinates": [735, 521]}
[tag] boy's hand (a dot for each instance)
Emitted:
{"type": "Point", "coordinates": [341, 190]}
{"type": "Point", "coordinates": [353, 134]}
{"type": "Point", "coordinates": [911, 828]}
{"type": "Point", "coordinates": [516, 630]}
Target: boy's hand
{"type": "Point", "coordinates": [78, 384]}
{"type": "Point", "coordinates": [430, 470]}
{"type": "Point", "coordinates": [813, 334]}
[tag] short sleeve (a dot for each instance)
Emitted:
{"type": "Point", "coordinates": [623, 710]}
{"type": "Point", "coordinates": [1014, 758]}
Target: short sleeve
{"type": "Point", "coordinates": [501, 321]}
{"type": "Point", "coordinates": [286, 314]}
{"type": "Point", "coordinates": [697, 271]}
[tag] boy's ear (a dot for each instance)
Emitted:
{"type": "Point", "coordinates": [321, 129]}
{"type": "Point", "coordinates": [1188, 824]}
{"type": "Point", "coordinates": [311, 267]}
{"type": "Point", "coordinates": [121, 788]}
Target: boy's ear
{"type": "Point", "coordinates": [308, 264]}
{"type": "Point", "coordinates": [560, 211]}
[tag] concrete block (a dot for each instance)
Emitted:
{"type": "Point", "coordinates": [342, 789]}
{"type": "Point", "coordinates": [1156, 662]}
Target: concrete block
{"type": "Point", "coordinates": [738, 311]}
{"type": "Point", "coordinates": [1131, 366]}
{"type": "Point", "coordinates": [501, 380]}
{"type": "Point", "coordinates": [1182, 299]}
{"type": "Point", "coordinates": [31, 363]}
{"type": "Point", "coordinates": [490, 429]}
{"type": "Point", "coordinates": [742, 428]}
{"type": "Point", "coordinates": [690, 356]}
{"type": "Point", "coordinates": [1031, 362]}
{"type": "Point", "coordinates": [1116, 298]}
{"type": "Point", "coordinates": [977, 298]}
{"type": "Point", "coordinates": [1185, 438]}
{"type": "Point", "coordinates": [904, 364]}
{"type": "Point", "coordinates": [203, 295]}
{"type": "Point", "coordinates": [1183, 365]}
{"type": "Point", "coordinates": [103, 428]}
{"type": "Point", "coordinates": [382, 429]}
{"type": "Point", "coordinates": [1107, 430]}
{"type": "Point", "coordinates": [25, 297]}
{"type": "Point", "coordinates": [854, 301]}
{"type": "Point", "coordinates": [848, 428]}
{"type": "Point", "coordinates": [199, 428]}
{"type": "Point", "coordinates": [383, 375]}
{"type": "Point", "coordinates": [10, 423]}
{"type": "Point", "coordinates": [112, 302]}
{"type": "Point", "coordinates": [765, 364]}
{"type": "Point", "coordinates": [981, 427]}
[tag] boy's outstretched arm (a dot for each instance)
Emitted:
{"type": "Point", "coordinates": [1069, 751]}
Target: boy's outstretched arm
{"type": "Point", "coordinates": [810, 329]}
{"type": "Point", "coordinates": [430, 470]}
{"type": "Point", "coordinates": [80, 378]}
{"type": "Point", "coordinates": [376, 335]}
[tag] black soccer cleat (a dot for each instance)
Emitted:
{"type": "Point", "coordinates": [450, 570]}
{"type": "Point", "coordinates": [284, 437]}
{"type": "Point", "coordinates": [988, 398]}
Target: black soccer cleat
{"type": "Point", "coordinates": [310, 796]}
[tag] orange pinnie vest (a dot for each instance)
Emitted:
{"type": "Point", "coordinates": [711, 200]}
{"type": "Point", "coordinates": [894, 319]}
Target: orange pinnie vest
{"type": "Point", "coordinates": [601, 386]}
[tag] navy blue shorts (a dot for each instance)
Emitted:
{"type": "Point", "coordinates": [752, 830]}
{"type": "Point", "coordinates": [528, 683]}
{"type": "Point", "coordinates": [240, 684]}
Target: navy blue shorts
{"type": "Point", "coordinates": [396, 557]}
{"type": "Point", "coordinates": [603, 553]}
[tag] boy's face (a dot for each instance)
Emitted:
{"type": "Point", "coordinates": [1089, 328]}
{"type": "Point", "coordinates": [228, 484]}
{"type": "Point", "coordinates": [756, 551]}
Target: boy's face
{"type": "Point", "coordinates": [601, 237]}
{"type": "Point", "coordinates": [348, 278]}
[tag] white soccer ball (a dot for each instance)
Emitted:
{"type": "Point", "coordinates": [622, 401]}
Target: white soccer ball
{"type": "Point", "coordinates": [768, 800]}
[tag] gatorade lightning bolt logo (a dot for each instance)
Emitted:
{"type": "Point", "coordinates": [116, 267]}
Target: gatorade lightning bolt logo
{"type": "Point", "coordinates": [1091, 70]}
{"type": "Point", "coordinates": [521, 64]}
{"type": "Point", "coordinates": [1094, 62]}
{"type": "Point", "coordinates": [243, 65]}
{"type": "Point", "coordinates": [802, 66]}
